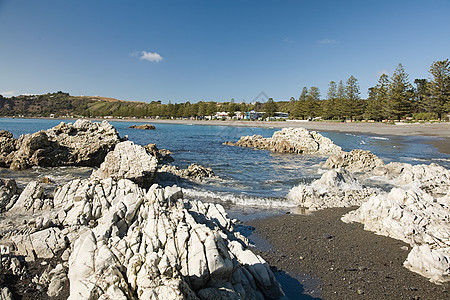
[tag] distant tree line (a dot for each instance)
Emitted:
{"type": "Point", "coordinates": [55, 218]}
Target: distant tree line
{"type": "Point", "coordinates": [391, 98]}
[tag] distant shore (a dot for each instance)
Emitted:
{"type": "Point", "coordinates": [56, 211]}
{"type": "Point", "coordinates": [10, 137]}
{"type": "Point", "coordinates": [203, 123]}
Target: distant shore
{"type": "Point", "coordinates": [439, 130]}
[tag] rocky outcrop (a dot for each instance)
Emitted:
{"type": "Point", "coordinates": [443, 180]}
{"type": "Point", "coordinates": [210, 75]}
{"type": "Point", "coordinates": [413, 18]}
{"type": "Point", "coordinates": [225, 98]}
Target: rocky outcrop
{"type": "Point", "coordinates": [9, 193]}
{"type": "Point", "coordinates": [290, 140]}
{"type": "Point", "coordinates": [163, 155]}
{"type": "Point", "coordinates": [336, 188]}
{"type": "Point", "coordinates": [356, 161]}
{"type": "Point", "coordinates": [32, 198]}
{"type": "Point", "coordinates": [128, 161]}
{"type": "Point", "coordinates": [83, 143]}
{"type": "Point", "coordinates": [193, 172]}
{"type": "Point", "coordinates": [416, 218]}
{"type": "Point", "coordinates": [143, 126]}
{"type": "Point", "coordinates": [126, 242]}
{"type": "Point", "coordinates": [433, 179]}
{"type": "Point", "coordinates": [158, 246]}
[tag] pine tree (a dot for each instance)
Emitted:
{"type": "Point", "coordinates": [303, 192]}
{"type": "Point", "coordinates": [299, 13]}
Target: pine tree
{"type": "Point", "coordinates": [329, 111]}
{"type": "Point", "coordinates": [270, 108]}
{"type": "Point", "coordinates": [312, 105]}
{"type": "Point", "coordinates": [422, 95]}
{"type": "Point", "coordinates": [340, 107]}
{"type": "Point", "coordinates": [352, 97]}
{"type": "Point", "coordinates": [440, 87]}
{"type": "Point", "coordinates": [300, 105]}
{"type": "Point", "coordinates": [399, 93]}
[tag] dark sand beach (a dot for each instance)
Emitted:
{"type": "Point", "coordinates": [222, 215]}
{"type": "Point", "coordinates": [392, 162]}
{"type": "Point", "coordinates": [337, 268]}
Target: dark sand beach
{"type": "Point", "coordinates": [321, 257]}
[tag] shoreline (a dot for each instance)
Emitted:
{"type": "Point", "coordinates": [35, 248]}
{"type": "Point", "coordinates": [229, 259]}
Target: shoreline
{"type": "Point", "coordinates": [438, 132]}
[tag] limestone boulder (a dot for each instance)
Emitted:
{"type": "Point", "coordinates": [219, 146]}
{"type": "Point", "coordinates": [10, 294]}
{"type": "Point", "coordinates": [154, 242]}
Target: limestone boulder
{"type": "Point", "coordinates": [433, 179]}
{"type": "Point", "coordinates": [417, 218]}
{"type": "Point", "coordinates": [128, 161]}
{"type": "Point", "coordinates": [143, 127]}
{"type": "Point", "coordinates": [32, 198]}
{"type": "Point", "coordinates": [335, 188]}
{"type": "Point", "coordinates": [9, 193]}
{"type": "Point", "coordinates": [193, 172]}
{"type": "Point", "coordinates": [83, 143]}
{"type": "Point", "coordinates": [163, 155]}
{"type": "Point", "coordinates": [291, 140]}
{"type": "Point", "coordinates": [356, 161]}
{"type": "Point", "coordinates": [156, 245]}
{"type": "Point", "coordinates": [88, 142]}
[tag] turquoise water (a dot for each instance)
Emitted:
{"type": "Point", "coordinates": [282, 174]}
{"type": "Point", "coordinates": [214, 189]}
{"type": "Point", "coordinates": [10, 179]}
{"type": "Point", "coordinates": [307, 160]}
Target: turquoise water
{"type": "Point", "coordinates": [248, 177]}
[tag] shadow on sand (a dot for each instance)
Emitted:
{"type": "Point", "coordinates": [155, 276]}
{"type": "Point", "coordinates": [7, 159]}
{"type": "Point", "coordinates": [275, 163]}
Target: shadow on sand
{"type": "Point", "coordinates": [293, 289]}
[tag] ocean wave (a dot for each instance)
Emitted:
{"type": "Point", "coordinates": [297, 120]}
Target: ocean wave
{"type": "Point", "coordinates": [380, 138]}
{"type": "Point", "coordinates": [243, 200]}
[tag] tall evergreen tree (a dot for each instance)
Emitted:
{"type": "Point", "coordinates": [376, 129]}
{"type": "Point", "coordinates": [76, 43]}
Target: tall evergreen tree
{"type": "Point", "coordinates": [422, 95]}
{"type": "Point", "coordinates": [329, 110]}
{"type": "Point", "coordinates": [270, 108]}
{"type": "Point", "coordinates": [352, 97]}
{"type": "Point", "coordinates": [400, 93]}
{"type": "Point", "coordinates": [440, 87]}
{"type": "Point", "coordinates": [340, 107]}
{"type": "Point", "coordinates": [300, 105]}
{"type": "Point", "coordinates": [312, 102]}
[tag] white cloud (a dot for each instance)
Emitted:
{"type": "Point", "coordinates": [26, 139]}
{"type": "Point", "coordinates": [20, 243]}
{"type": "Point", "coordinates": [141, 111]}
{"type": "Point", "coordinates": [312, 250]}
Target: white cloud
{"type": "Point", "coordinates": [327, 42]}
{"type": "Point", "coordinates": [9, 93]}
{"type": "Point", "coordinates": [288, 40]}
{"type": "Point", "coordinates": [151, 56]}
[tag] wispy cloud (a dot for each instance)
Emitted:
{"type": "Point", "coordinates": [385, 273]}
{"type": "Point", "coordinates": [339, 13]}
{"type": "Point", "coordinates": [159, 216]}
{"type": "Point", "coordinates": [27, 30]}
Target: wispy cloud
{"type": "Point", "coordinates": [150, 56]}
{"type": "Point", "coordinates": [327, 42]}
{"type": "Point", "coordinates": [9, 93]}
{"type": "Point", "coordinates": [288, 40]}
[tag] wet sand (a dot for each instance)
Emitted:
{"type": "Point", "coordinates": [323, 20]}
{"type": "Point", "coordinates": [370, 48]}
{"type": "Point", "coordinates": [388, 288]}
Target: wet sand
{"type": "Point", "coordinates": [320, 257]}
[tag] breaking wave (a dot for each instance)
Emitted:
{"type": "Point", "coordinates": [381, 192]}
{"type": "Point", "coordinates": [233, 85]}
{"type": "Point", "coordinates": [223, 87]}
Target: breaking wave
{"type": "Point", "coordinates": [244, 200]}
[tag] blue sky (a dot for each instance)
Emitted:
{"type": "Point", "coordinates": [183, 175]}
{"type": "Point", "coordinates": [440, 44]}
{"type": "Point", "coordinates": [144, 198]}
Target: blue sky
{"type": "Point", "coordinates": [212, 49]}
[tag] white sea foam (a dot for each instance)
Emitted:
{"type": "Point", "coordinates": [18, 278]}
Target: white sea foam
{"type": "Point", "coordinates": [243, 200]}
{"type": "Point", "coordinates": [380, 138]}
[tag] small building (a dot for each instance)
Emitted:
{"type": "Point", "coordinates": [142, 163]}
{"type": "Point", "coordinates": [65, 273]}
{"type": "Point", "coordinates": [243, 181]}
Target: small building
{"type": "Point", "coordinates": [253, 115]}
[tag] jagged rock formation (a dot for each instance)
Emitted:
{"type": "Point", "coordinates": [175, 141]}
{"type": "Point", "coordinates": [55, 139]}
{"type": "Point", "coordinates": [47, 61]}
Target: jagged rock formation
{"type": "Point", "coordinates": [156, 246]}
{"type": "Point", "coordinates": [125, 242]}
{"type": "Point", "coordinates": [290, 140]}
{"type": "Point", "coordinates": [163, 155]}
{"type": "Point", "coordinates": [336, 188]}
{"type": "Point", "coordinates": [9, 193]}
{"type": "Point", "coordinates": [128, 161]}
{"type": "Point", "coordinates": [433, 179]}
{"type": "Point", "coordinates": [356, 161]}
{"type": "Point", "coordinates": [193, 172]}
{"type": "Point", "coordinates": [416, 218]}
{"type": "Point", "coordinates": [83, 143]}
{"type": "Point", "coordinates": [143, 126]}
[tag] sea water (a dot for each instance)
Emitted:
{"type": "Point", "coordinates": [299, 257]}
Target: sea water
{"type": "Point", "coordinates": [249, 182]}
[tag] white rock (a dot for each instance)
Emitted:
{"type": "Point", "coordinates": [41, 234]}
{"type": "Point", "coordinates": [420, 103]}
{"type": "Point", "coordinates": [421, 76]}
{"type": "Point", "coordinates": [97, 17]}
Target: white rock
{"type": "Point", "coordinates": [128, 161]}
{"type": "Point", "coordinates": [32, 198]}
{"type": "Point", "coordinates": [291, 140]}
{"type": "Point", "coordinates": [416, 218]}
{"type": "Point", "coordinates": [336, 188]}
